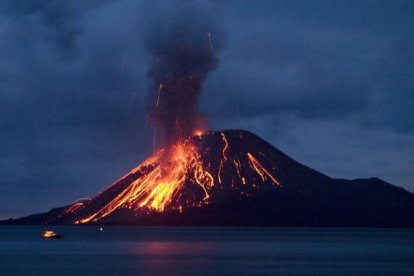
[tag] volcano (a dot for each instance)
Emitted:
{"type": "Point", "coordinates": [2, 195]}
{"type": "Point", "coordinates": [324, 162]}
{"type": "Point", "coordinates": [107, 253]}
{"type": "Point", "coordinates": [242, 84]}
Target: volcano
{"type": "Point", "coordinates": [234, 178]}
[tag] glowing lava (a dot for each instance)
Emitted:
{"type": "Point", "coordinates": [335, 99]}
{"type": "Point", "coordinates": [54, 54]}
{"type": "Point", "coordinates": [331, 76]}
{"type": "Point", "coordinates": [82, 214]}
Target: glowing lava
{"type": "Point", "coordinates": [186, 175]}
{"type": "Point", "coordinates": [166, 175]}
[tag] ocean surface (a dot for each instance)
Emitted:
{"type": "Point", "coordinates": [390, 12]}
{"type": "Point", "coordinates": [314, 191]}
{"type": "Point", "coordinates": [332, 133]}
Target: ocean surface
{"type": "Point", "coordinates": [206, 251]}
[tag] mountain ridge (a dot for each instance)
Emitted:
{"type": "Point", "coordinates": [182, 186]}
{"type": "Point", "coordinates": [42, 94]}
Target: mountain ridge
{"type": "Point", "coordinates": [255, 185]}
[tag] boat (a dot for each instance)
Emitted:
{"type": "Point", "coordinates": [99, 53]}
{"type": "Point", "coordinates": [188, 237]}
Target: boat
{"type": "Point", "coordinates": [49, 234]}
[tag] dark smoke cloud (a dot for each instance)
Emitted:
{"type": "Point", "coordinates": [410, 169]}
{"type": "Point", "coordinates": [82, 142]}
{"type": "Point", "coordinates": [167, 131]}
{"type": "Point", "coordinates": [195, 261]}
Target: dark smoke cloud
{"type": "Point", "coordinates": [182, 47]}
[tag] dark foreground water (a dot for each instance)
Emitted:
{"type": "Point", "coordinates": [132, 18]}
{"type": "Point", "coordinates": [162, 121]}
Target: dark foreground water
{"type": "Point", "coordinates": [206, 251]}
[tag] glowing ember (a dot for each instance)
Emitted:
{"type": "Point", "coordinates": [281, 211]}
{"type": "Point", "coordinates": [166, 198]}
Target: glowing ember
{"type": "Point", "coordinates": [198, 132]}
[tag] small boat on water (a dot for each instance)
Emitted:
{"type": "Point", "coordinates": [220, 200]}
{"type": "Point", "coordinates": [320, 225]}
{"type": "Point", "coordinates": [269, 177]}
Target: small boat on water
{"type": "Point", "coordinates": [49, 234]}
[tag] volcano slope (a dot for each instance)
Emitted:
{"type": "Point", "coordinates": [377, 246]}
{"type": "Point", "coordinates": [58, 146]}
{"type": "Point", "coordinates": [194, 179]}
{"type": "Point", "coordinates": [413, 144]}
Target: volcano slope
{"type": "Point", "coordinates": [234, 178]}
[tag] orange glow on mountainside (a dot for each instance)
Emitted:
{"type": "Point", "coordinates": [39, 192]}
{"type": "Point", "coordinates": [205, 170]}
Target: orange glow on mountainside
{"type": "Point", "coordinates": [178, 178]}
{"type": "Point", "coordinates": [163, 182]}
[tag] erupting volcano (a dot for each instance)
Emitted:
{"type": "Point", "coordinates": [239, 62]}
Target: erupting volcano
{"type": "Point", "coordinates": [235, 178]}
{"type": "Point", "coordinates": [200, 177]}
{"type": "Point", "coordinates": [192, 174]}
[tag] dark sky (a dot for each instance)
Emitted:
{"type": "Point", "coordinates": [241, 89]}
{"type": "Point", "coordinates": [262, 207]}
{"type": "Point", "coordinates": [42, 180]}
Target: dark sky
{"type": "Point", "coordinates": [330, 83]}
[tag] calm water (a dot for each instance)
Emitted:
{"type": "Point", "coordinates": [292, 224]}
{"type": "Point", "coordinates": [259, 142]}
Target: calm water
{"type": "Point", "coordinates": [206, 251]}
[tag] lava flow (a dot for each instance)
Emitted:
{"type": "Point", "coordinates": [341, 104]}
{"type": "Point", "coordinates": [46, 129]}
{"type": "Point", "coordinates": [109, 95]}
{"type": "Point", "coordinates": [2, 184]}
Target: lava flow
{"type": "Point", "coordinates": [165, 176]}
{"type": "Point", "coordinates": [190, 174]}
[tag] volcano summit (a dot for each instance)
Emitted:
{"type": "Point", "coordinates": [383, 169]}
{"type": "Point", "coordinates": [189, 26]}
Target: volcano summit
{"type": "Point", "coordinates": [235, 178]}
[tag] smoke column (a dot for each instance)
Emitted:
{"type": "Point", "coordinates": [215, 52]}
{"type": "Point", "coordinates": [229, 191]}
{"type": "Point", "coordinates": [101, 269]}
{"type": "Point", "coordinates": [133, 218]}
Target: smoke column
{"type": "Point", "coordinates": [182, 51]}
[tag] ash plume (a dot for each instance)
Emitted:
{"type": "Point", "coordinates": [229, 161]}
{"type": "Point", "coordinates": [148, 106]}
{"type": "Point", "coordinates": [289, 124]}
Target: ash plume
{"type": "Point", "coordinates": [182, 49]}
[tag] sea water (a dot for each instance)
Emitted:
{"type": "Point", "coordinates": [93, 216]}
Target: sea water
{"type": "Point", "coordinates": [206, 251]}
